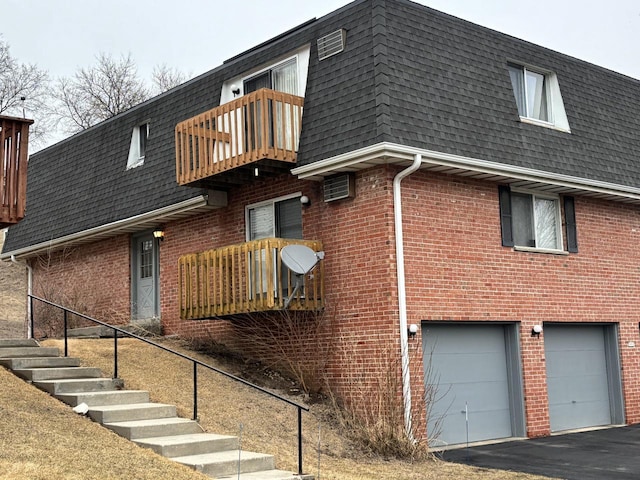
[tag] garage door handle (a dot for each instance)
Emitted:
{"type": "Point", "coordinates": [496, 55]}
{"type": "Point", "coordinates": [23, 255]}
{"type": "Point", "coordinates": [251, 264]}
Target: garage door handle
{"type": "Point", "coordinates": [573, 401]}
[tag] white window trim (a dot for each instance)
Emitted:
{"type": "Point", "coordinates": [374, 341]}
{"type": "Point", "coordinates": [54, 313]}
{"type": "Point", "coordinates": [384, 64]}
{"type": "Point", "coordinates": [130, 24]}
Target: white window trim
{"type": "Point", "coordinates": [555, 103]}
{"type": "Point", "coordinates": [546, 196]}
{"type": "Point", "coordinates": [272, 201]}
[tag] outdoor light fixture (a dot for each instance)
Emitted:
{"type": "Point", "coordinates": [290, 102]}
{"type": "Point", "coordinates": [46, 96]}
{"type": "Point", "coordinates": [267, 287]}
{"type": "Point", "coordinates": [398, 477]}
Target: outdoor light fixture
{"type": "Point", "coordinates": [304, 200]}
{"type": "Point", "coordinates": [536, 330]}
{"type": "Point", "coordinates": [235, 90]}
{"type": "Point", "coordinates": [158, 233]}
{"type": "Point", "coordinates": [412, 330]}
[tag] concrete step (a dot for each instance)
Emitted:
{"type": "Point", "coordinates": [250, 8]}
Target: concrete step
{"type": "Point", "coordinates": [39, 362]}
{"type": "Point", "coordinates": [18, 342]}
{"type": "Point", "coordinates": [77, 385]}
{"type": "Point", "coordinates": [267, 475]}
{"type": "Point", "coordinates": [191, 444]}
{"type": "Point", "coordinates": [112, 397]}
{"type": "Point", "coordinates": [154, 428]}
{"type": "Point", "coordinates": [131, 411]}
{"type": "Point", "coordinates": [226, 463]}
{"type": "Point", "coordinates": [40, 374]}
{"type": "Point", "coordinates": [16, 352]}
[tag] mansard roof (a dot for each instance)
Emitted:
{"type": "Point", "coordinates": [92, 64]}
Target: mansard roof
{"type": "Point", "coordinates": [409, 75]}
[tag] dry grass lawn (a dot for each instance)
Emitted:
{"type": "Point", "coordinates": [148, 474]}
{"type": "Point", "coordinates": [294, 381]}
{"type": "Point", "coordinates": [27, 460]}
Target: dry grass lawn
{"type": "Point", "coordinates": [41, 438]}
{"type": "Point", "coordinates": [36, 440]}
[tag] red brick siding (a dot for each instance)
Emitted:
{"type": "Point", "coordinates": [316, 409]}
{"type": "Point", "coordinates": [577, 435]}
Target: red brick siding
{"type": "Point", "coordinates": [92, 279]}
{"type": "Point", "coordinates": [456, 270]}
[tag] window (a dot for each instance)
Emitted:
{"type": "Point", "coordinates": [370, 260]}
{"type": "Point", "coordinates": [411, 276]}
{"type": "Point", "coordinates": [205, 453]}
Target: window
{"type": "Point", "coordinates": [281, 219]}
{"type": "Point", "coordinates": [283, 78]}
{"type": "Point", "coordinates": [138, 146]}
{"type": "Point", "coordinates": [538, 98]}
{"type": "Point", "coordinates": [534, 221]}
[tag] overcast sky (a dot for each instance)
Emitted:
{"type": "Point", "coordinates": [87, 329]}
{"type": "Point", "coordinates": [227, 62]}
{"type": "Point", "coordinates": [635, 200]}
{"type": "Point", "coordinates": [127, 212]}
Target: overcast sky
{"type": "Point", "coordinates": [197, 35]}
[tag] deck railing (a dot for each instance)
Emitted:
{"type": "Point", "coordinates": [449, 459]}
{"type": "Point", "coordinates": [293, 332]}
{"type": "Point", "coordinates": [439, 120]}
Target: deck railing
{"type": "Point", "coordinates": [245, 278]}
{"type": "Point", "coordinates": [260, 125]}
{"type": "Point", "coordinates": [14, 139]}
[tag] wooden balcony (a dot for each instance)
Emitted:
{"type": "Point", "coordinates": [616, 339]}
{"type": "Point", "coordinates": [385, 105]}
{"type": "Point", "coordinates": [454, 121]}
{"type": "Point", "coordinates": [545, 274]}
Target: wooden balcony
{"type": "Point", "coordinates": [245, 278]}
{"type": "Point", "coordinates": [225, 146]}
{"type": "Point", "coordinates": [14, 140]}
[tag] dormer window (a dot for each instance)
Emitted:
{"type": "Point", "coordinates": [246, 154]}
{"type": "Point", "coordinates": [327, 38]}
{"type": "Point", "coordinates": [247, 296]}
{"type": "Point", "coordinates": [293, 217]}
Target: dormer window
{"type": "Point", "coordinates": [138, 146]}
{"type": "Point", "coordinates": [538, 98]}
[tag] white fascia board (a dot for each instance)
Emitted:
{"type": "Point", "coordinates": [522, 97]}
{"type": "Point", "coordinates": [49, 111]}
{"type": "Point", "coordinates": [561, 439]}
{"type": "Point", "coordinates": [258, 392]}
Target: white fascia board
{"type": "Point", "coordinates": [391, 153]}
{"type": "Point", "coordinates": [144, 220]}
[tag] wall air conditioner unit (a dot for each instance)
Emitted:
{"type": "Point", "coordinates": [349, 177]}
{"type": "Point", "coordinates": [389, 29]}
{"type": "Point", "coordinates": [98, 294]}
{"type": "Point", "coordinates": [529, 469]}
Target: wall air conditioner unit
{"type": "Point", "coordinates": [332, 44]}
{"type": "Point", "coordinates": [339, 186]}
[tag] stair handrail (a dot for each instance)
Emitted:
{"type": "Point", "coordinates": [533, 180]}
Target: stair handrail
{"type": "Point", "coordinates": [66, 311]}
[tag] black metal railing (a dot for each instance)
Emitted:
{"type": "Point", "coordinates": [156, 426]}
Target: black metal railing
{"type": "Point", "coordinates": [196, 363]}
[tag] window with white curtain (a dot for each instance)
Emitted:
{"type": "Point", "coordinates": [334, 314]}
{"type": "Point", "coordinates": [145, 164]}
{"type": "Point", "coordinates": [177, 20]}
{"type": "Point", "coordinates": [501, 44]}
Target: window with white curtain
{"type": "Point", "coordinates": [536, 221]}
{"type": "Point", "coordinates": [138, 146]}
{"type": "Point", "coordinates": [531, 90]}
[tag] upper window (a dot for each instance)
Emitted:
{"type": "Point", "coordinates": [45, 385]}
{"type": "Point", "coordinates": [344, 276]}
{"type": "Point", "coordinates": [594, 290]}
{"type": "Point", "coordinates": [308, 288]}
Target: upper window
{"type": "Point", "coordinates": [282, 77]}
{"type": "Point", "coordinates": [538, 96]}
{"type": "Point", "coordinates": [138, 146]}
{"type": "Point", "coordinates": [534, 221]}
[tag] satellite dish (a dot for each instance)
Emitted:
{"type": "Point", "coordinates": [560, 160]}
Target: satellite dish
{"type": "Point", "coordinates": [300, 259]}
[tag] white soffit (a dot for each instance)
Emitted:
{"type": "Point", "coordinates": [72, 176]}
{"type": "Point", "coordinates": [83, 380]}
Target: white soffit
{"type": "Point", "coordinates": [393, 154]}
{"type": "Point", "coordinates": [138, 223]}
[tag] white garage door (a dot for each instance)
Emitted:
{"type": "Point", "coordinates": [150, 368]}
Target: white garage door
{"type": "Point", "coordinates": [467, 365]}
{"type": "Point", "coordinates": [577, 381]}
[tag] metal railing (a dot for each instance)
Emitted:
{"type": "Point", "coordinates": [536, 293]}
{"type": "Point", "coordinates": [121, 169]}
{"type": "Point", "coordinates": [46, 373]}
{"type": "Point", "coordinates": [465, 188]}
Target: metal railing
{"type": "Point", "coordinates": [264, 124]}
{"type": "Point", "coordinates": [245, 278]}
{"type": "Point", "coordinates": [196, 363]}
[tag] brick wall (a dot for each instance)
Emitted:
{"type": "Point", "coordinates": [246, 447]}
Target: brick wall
{"type": "Point", "coordinates": [456, 270]}
{"type": "Point", "coordinates": [92, 279]}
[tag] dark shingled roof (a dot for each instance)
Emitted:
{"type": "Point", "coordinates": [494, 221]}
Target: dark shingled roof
{"type": "Point", "coordinates": [409, 75]}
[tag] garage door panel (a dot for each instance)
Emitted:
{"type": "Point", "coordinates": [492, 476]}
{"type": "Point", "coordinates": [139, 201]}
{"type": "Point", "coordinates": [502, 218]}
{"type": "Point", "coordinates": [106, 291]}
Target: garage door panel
{"type": "Point", "coordinates": [469, 370]}
{"type": "Point", "coordinates": [577, 383]}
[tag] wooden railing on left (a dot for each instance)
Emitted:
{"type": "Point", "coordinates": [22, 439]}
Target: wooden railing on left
{"type": "Point", "coordinates": [14, 141]}
{"type": "Point", "coordinates": [245, 278]}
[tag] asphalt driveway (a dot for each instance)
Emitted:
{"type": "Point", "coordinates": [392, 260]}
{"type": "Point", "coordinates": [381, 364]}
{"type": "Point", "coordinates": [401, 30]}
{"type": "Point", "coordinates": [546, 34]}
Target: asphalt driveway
{"type": "Point", "coordinates": [609, 454]}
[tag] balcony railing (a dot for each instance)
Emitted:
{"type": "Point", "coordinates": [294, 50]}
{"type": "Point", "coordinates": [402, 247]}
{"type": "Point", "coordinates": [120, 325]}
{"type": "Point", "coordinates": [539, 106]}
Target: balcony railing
{"type": "Point", "coordinates": [245, 278]}
{"type": "Point", "coordinates": [260, 126]}
{"type": "Point", "coordinates": [14, 139]}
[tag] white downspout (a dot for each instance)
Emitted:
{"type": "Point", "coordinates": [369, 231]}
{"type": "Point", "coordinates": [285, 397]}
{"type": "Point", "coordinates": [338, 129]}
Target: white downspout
{"type": "Point", "coordinates": [29, 291]}
{"type": "Point", "coordinates": [402, 294]}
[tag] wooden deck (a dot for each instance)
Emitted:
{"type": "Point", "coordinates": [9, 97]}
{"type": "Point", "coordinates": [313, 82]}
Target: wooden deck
{"type": "Point", "coordinates": [262, 127]}
{"type": "Point", "coordinates": [245, 278]}
{"type": "Point", "coordinates": [14, 141]}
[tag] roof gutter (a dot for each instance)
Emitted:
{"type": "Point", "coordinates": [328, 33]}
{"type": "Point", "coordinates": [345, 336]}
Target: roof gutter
{"type": "Point", "coordinates": [402, 292]}
{"type": "Point", "coordinates": [391, 153]}
{"type": "Point", "coordinates": [131, 224]}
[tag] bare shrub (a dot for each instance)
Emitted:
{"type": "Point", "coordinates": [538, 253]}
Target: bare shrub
{"type": "Point", "coordinates": [295, 343]}
{"type": "Point", "coordinates": [55, 274]}
{"type": "Point", "coordinates": [373, 413]}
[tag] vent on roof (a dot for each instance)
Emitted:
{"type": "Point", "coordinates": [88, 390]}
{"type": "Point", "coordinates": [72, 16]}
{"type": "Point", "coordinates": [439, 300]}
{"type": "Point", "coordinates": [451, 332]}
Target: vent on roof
{"type": "Point", "coordinates": [331, 44]}
{"type": "Point", "coordinates": [339, 187]}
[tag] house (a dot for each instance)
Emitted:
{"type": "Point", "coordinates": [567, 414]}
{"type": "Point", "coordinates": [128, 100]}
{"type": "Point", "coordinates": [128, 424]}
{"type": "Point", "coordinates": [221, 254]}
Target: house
{"type": "Point", "coordinates": [476, 197]}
